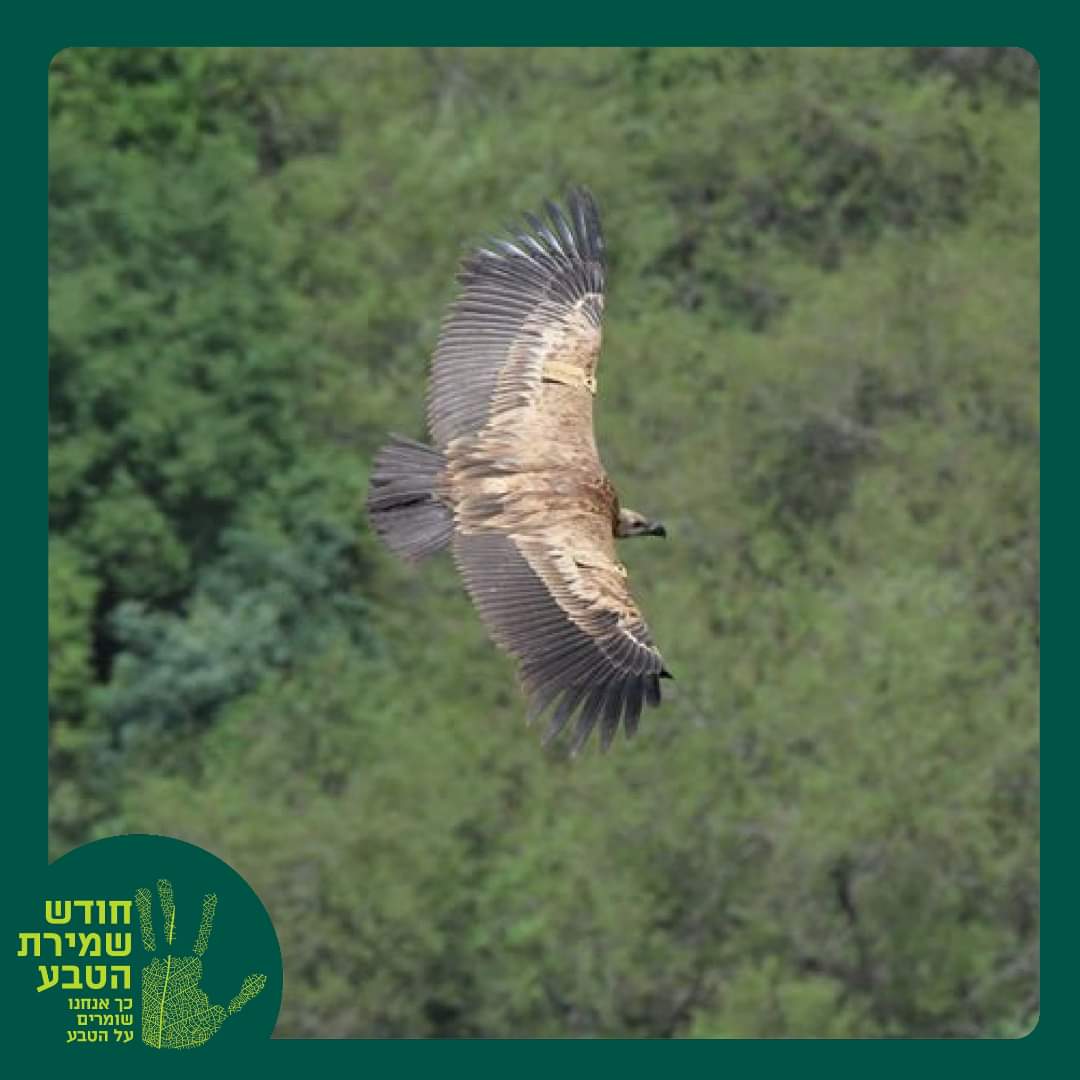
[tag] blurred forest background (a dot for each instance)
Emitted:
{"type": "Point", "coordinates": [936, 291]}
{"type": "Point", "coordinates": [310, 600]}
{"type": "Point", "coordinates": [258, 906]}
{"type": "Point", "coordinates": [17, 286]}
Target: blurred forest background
{"type": "Point", "coordinates": [820, 369]}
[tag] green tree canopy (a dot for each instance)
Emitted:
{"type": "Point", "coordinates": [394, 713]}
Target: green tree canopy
{"type": "Point", "coordinates": [820, 368]}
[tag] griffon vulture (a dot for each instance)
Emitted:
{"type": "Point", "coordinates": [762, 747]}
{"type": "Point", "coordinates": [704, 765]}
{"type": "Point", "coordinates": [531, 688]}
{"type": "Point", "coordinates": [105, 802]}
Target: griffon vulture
{"type": "Point", "coordinates": [514, 482]}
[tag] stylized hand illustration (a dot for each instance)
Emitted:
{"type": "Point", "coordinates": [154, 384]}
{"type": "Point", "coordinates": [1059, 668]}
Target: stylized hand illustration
{"type": "Point", "coordinates": [176, 1014]}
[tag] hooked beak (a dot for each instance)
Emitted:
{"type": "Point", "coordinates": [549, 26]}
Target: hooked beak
{"type": "Point", "coordinates": [656, 528]}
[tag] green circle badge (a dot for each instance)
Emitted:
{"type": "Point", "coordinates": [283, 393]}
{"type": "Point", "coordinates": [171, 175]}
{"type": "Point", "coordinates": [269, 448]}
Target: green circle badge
{"type": "Point", "coordinates": [146, 944]}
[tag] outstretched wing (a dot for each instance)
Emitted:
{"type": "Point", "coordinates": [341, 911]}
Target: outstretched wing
{"type": "Point", "coordinates": [530, 308]}
{"type": "Point", "coordinates": [582, 645]}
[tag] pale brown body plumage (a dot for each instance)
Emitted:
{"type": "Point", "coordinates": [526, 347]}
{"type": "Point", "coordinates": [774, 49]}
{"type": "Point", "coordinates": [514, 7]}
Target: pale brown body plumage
{"type": "Point", "coordinates": [530, 513]}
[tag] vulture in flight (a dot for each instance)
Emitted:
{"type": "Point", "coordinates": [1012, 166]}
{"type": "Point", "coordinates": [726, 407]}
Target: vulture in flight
{"type": "Point", "coordinates": [514, 484]}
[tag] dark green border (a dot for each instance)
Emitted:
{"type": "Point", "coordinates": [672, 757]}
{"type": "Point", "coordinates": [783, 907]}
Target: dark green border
{"type": "Point", "coordinates": [23, 432]}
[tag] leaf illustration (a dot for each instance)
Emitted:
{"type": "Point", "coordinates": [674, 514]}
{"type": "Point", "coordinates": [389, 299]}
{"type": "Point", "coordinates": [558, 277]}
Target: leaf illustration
{"type": "Point", "coordinates": [176, 1013]}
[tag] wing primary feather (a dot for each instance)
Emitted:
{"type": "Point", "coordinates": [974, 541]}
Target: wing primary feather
{"type": "Point", "coordinates": [584, 671]}
{"type": "Point", "coordinates": [564, 711]}
{"type": "Point", "coordinates": [539, 229]}
{"type": "Point", "coordinates": [587, 718]}
{"type": "Point", "coordinates": [577, 213]}
{"type": "Point", "coordinates": [634, 692]}
{"type": "Point", "coordinates": [539, 700]}
{"type": "Point", "coordinates": [652, 689]}
{"type": "Point", "coordinates": [562, 227]}
{"type": "Point", "coordinates": [612, 714]}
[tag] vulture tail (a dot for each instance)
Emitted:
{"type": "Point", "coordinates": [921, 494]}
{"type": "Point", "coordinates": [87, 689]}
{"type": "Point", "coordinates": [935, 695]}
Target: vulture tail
{"type": "Point", "coordinates": [402, 502]}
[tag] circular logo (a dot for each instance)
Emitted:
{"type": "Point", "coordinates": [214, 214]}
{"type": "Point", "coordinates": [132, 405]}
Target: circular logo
{"type": "Point", "coordinates": [147, 944]}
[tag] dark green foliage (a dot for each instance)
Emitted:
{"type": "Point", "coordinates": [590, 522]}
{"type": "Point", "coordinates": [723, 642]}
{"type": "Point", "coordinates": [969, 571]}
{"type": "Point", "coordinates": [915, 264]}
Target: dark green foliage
{"type": "Point", "coordinates": [820, 369]}
{"type": "Point", "coordinates": [262, 606]}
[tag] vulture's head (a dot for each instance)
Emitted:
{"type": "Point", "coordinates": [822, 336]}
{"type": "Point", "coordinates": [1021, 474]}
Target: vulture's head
{"type": "Point", "coordinates": [631, 523]}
